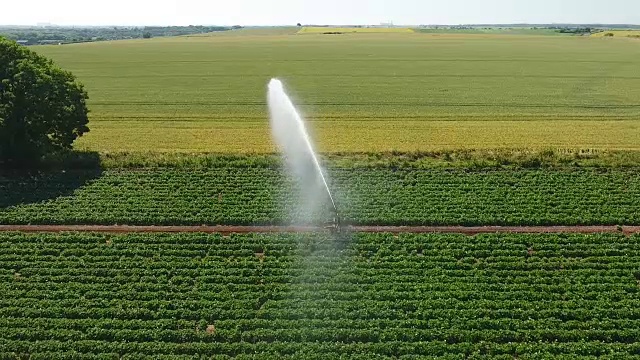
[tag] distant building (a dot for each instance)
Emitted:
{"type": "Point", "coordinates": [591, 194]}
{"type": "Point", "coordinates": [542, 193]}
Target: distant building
{"type": "Point", "coordinates": [23, 42]}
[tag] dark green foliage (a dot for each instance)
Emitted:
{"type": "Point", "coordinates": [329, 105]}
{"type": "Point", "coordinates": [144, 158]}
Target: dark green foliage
{"type": "Point", "coordinates": [576, 30]}
{"type": "Point", "coordinates": [485, 159]}
{"type": "Point", "coordinates": [306, 297]}
{"type": "Point", "coordinates": [42, 108]}
{"type": "Point", "coordinates": [476, 160]}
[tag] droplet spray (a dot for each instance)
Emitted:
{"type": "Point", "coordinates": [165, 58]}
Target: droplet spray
{"type": "Point", "coordinates": [291, 135]}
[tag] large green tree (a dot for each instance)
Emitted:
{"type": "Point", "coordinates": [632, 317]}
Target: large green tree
{"type": "Point", "coordinates": [42, 107]}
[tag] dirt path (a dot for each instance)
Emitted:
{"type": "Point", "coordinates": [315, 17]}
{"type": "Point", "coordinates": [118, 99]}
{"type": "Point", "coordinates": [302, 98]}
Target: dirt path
{"type": "Point", "coordinates": [468, 230]}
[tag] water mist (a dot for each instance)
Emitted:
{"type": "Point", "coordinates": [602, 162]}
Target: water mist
{"type": "Point", "coordinates": [290, 134]}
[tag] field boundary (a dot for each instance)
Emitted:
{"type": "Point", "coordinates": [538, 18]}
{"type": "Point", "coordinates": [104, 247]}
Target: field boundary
{"type": "Point", "coordinates": [230, 229]}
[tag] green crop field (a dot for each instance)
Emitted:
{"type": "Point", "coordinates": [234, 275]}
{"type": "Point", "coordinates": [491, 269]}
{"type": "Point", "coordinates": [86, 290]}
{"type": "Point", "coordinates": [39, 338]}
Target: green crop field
{"type": "Point", "coordinates": [361, 92]}
{"type": "Point", "coordinates": [492, 128]}
{"type": "Point", "coordinates": [261, 194]}
{"type": "Point", "coordinates": [492, 31]}
{"type": "Point", "coordinates": [302, 297]}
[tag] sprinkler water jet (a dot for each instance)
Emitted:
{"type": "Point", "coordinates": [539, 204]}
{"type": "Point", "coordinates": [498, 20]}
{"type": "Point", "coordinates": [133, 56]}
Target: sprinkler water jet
{"type": "Point", "coordinates": [290, 134]}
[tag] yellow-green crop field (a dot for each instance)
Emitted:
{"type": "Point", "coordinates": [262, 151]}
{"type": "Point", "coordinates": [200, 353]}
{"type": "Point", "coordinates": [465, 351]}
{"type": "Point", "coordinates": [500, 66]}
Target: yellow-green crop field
{"type": "Point", "coordinates": [374, 92]}
{"type": "Point", "coordinates": [619, 33]}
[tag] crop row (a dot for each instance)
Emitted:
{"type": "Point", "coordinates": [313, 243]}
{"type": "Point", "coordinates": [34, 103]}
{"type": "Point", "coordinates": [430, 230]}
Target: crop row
{"type": "Point", "coordinates": [318, 350]}
{"type": "Point", "coordinates": [230, 194]}
{"type": "Point", "coordinates": [311, 296]}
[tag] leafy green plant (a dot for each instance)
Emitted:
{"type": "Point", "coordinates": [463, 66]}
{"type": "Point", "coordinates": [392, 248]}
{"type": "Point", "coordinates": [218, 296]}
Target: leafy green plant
{"type": "Point", "coordinates": [156, 295]}
{"type": "Point", "coordinates": [42, 107]}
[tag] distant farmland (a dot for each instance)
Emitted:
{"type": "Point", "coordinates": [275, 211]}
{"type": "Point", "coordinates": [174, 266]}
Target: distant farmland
{"type": "Point", "coordinates": [619, 33]}
{"type": "Point", "coordinates": [366, 30]}
{"type": "Point", "coordinates": [373, 92]}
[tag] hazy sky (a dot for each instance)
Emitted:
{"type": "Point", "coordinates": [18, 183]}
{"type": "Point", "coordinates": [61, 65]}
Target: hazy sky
{"type": "Point", "coordinates": [286, 12]}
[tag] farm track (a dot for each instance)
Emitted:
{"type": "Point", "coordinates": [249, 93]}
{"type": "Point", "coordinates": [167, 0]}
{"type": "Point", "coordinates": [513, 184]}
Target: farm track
{"type": "Point", "coordinates": [226, 229]}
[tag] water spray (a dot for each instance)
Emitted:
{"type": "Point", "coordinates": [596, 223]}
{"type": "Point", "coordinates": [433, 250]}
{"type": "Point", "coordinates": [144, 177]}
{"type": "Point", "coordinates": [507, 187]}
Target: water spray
{"type": "Point", "coordinates": [293, 139]}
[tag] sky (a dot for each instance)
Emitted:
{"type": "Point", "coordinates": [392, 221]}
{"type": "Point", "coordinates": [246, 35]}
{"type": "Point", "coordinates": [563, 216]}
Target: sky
{"type": "Point", "coordinates": [329, 12]}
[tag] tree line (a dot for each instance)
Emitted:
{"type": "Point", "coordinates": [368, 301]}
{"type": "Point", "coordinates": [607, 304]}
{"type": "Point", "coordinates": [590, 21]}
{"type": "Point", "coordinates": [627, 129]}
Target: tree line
{"type": "Point", "coordinates": [64, 35]}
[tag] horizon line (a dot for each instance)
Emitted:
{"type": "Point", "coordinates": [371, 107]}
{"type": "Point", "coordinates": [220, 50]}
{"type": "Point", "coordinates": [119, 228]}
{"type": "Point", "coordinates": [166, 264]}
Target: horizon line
{"type": "Point", "coordinates": [45, 24]}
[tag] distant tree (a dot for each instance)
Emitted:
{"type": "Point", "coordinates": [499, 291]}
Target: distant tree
{"type": "Point", "coordinates": [609, 34]}
{"type": "Point", "coordinates": [298, 24]}
{"type": "Point", "coordinates": [146, 35]}
{"type": "Point", "coordinates": [42, 107]}
{"type": "Point", "coordinates": [75, 34]}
